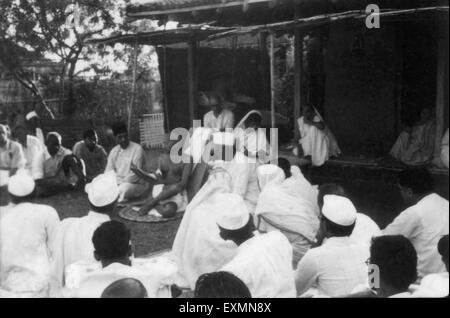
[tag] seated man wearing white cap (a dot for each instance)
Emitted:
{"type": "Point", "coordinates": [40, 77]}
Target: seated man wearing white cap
{"type": "Point", "coordinates": [27, 231]}
{"type": "Point", "coordinates": [32, 120]}
{"type": "Point", "coordinates": [63, 171]}
{"type": "Point", "coordinates": [12, 157]}
{"type": "Point", "coordinates": [263, 261]}
{"type": "Point", "coordinates": [113, 250]}
{"type": "Point", "coordinates": [365, 228]}
{"type": "Point", "coordinates": [338, 265]}
{"type": "Point", "coordinates": [75, 235]}
{"type": "Point", "coordinates": [288, 205]}
{"type": "Point", "coordinates": [241, 168]}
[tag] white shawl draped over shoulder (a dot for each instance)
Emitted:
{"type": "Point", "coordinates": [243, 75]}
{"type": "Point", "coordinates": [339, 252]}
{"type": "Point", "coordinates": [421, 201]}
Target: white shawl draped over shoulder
{"type": "Point", "coordinates": [198, 247]}
{"type": "Point", "coordinates": [290, 205]}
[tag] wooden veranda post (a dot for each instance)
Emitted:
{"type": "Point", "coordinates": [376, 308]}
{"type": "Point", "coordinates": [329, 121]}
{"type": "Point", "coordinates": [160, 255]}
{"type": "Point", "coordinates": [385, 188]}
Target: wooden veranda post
{"type": "Point", "coordinates": [298, 69]}
{"type": "Point", "coordinates": [442, 72]}
{"type": "Point", "coordinates": [192, 87]}
{"type": "Point", "coordinates": [273, 131]}
{"type": "Point", "coordinates": [133, 85]}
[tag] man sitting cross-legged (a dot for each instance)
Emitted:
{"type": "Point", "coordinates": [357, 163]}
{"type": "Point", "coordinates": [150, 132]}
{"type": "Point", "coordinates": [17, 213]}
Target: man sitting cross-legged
{"type": "Point", "coordinates": [63, 171]}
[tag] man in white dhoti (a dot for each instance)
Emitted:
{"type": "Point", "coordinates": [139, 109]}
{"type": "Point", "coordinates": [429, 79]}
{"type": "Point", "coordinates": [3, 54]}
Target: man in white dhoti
{"type": "Point", "coordinates": [113, 250]}
{"type": "Point", "coordinates": [424, 222]}
{"type": "Point", "coordinates": [221, 285]}
{"type": "Point", "coordinates": [365, 228]}
{"type": "Point", "coordinates": [337, 266]}
{"type": "Point", "coordinates": [33, 122]}
{"type": "Point", "coordinates": [27, 232]}
{"type": "Point", "coordinates": [198, 248]}
{"type": "Point", "coordinates": [263, 261]}
{"type": "Point", "coordinates": [444, 150]}
{"type": "Point", "coordinates": [218, 118]}
{"type": "Point", "coordinates": [33, 151]}
{"type": "Point", "coordinates": [415, 145]}
{"type": "Point", "coordinates": [396, 261]}
{"type": "Point", "coordinates": [316, 139]}
{"type": "Point", "coordinates": [436, 285]}
{"type": "Point", "coordinates": [288, 205]}
{"type": "Point", "coordinates": [121, 159]}
{"type": "Point", "coordinates": [75, 234]}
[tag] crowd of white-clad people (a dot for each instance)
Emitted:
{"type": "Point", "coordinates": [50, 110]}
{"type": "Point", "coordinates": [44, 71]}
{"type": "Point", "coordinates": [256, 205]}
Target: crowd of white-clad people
{"type": "Point", "coordinates": [253, 226]}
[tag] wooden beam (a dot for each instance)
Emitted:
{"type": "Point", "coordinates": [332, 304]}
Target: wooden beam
{"type": "Point", "coordinates": [298, 69]}
{"type": "Point", "coordinates": [442, 72]}
{"type": "Point", "coordinates": [191, 82]}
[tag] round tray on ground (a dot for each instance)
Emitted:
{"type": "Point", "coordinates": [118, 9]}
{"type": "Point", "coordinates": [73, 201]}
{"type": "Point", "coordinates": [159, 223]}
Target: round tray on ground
{"type": "Point", "coordinates": [130, 213]}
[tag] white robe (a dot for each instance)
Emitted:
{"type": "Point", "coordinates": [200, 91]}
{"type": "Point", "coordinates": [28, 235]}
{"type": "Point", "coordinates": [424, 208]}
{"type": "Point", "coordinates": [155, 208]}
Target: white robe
{"type": "Point", "coordinates": [34, 155]}
{"type": "Point", "coordinates": [243, 179]}
{"type": "Point", "coordinates": [198, 247]}
{"type": "Point", "coordinates": [365, 229]}
{"type": "Point", "coordinates": [290, 206]}
{"type": "Point", "coordinates": [28, 239]}
{"type": "Point", "coordinates": [75, 241]}
{"type": "Point", "coordinates": [94, 283]}
{"type": "Point", "coordinates": [223, 121]}
{"type": "Point", "coordinates": [319, 144]}
{"type": "Point", "coordinates": [424, 224]}
{"type": "Point", "coordinates": [264, 264]}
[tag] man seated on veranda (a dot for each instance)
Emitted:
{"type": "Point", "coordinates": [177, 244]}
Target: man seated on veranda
{"type": "Point", "coordinates": [415, 145]}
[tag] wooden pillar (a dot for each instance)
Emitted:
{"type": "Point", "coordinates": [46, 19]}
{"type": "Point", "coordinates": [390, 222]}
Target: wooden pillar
{"type": "Point", "coordinates": [442, 73]}
{"type": "Point", "coordinates": [263, 71]}
{"type": "Point", "coordinates": [133, 85]}
{"type": "Point", "coordinates": [272, 80]}
{"type": "Point", "coordinates": [298, 58]}
{"type": "Point", "coordinates": [192, 87]}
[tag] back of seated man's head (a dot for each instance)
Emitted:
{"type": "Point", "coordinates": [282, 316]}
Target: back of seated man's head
{"type": "Point", "coordinates": [443, 249]}
{"type": "Point", "coordinates": [415, 183]}
{"type": "Point", "coordinates": [396, 259]}
{"type": "Point", "coordinates": [329, 188]}
{"type": "Point", "coordinates": [221, 285]}
{"type": "Point", "coordinates": [112, 243]}
{"type": "Point", "coordinates": [285, 165]}
{"type": "Point", "coordinates": [125, 288]}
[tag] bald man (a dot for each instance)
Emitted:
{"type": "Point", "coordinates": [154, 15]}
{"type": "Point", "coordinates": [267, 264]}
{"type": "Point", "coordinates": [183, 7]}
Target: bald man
{"type": "Point", "coordinates": [125, 288]}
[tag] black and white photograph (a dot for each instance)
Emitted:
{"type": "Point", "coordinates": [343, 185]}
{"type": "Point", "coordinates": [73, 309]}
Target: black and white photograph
{"type": "Point", "coordinates": [238, 150]}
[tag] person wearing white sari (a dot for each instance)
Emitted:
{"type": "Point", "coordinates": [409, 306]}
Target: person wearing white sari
{"type": "Point", "coordinates": [263, 261]}
{"type": "Point", "coordinates": [198, 248]}
{"type": "Point", "coordinates": [251, 138]}
{"type": "Point", "coordinates": [288, 205]}
{"type": "Point", "coordinates": [75, 234]}
{"type": "Point", "coordinates": [316, 139]}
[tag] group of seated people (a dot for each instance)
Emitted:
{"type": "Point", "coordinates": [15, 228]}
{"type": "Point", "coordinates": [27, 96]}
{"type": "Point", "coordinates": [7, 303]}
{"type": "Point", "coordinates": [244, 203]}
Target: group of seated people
{"type": "Point", "coordinates": [251, 229]}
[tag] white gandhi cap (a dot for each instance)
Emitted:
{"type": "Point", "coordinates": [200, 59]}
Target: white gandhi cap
{"type": "Point", "coordinates": [339, 210]}
{"type": "Point", "coordinates": [223, 138]}
{"type": "Point", "coordinates": [31, 114]}
{"type": "Point", "coordinates": [103, 190]}
{"type": "Point", "coordinates": [234, 214]}
{"type": "Point", "coordinates": [21, 184]}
